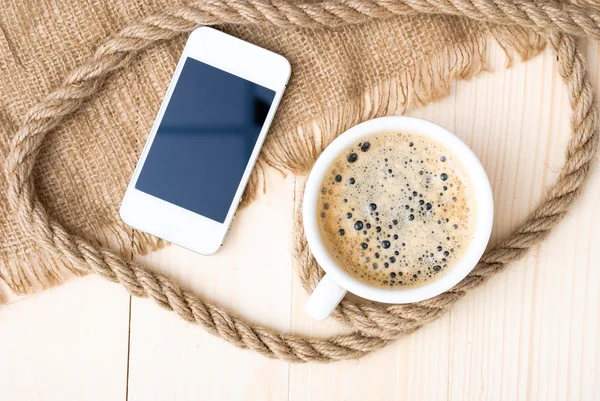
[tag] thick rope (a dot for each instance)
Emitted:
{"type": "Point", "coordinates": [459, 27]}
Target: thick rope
{"type": "Point", "coordinates": [375, 325]}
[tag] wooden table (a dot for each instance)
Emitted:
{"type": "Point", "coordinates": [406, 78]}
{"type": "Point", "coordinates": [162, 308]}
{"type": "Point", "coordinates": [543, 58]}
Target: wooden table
{"type": "Point", "coordinates": [531, 333]}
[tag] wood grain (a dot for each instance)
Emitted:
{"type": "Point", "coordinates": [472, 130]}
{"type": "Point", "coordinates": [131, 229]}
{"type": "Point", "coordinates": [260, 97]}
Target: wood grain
{"type": "Point", "coordinates": [68, 343]}
{"type": "Point", "coordinates": [531, 333]}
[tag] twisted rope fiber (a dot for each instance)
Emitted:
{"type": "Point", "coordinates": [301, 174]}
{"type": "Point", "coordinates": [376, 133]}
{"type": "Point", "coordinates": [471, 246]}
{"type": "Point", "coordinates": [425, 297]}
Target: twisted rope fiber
{"type": "Point", "coordinates": [375, 325]}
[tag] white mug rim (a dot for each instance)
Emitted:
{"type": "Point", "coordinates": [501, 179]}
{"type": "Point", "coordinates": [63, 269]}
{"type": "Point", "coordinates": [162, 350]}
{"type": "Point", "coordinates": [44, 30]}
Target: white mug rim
{"type": "Point", "coordinates": [479, 183]}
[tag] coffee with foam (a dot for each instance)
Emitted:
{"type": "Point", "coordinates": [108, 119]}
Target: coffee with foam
{"type": "Point", "coordinates": [396, 210]}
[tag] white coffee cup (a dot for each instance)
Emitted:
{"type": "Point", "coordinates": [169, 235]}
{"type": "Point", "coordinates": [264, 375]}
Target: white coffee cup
{"type": "Point", "coordinates": [336, 282]}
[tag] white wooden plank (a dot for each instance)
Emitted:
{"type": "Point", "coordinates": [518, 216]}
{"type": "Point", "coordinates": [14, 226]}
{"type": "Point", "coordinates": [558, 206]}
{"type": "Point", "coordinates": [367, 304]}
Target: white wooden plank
{"type": "Point", "coordinates": [68, 343]}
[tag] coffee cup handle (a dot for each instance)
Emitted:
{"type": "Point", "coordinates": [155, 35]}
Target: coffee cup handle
{"type": "Point", "coordinates": [324, 298]}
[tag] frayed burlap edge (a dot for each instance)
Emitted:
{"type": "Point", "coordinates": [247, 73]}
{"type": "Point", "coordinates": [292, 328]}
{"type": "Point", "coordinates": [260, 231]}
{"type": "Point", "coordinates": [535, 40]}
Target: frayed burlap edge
{"type": "Point", "coordinates": [411, 88]}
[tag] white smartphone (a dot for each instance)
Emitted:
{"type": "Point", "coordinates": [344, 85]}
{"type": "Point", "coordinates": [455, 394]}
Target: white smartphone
{"type": "Point", "coordinates": [205, 141]}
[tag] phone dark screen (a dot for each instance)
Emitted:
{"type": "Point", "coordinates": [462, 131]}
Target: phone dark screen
{"type": "Point", "coordinates": [205, 140]}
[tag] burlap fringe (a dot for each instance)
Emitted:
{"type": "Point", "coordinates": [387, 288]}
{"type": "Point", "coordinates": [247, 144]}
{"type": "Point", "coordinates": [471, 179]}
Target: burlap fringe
{"type": "Point", "coordinates": [413, 87]}
{"type": "Point", "coordinates": [35, 272]}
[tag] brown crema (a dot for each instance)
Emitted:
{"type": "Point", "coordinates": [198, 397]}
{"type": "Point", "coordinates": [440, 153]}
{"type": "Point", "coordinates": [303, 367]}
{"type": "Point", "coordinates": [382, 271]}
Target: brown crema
{"type": "Point", "coordinates": [396, 210]}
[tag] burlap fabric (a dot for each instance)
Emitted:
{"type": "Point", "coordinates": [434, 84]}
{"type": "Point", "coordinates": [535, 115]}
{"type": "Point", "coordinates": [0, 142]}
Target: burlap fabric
{"type": "Point", "coordinates": [332, 100]}
{"type": "Point", "coordinates": [340, 77]}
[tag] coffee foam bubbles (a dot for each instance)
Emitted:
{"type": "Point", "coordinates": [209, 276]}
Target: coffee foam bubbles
{"type": "Point", "coordinates": [396, 210]}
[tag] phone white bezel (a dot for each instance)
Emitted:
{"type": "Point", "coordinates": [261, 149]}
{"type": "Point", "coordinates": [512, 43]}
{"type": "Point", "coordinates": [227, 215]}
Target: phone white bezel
{"type": "Point", "coordinates": [173, 223]}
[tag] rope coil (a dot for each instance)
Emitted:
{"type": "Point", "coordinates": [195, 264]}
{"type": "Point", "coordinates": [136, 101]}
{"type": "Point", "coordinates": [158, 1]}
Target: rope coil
{"type": "Point", "coordinates": [374, 325]}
